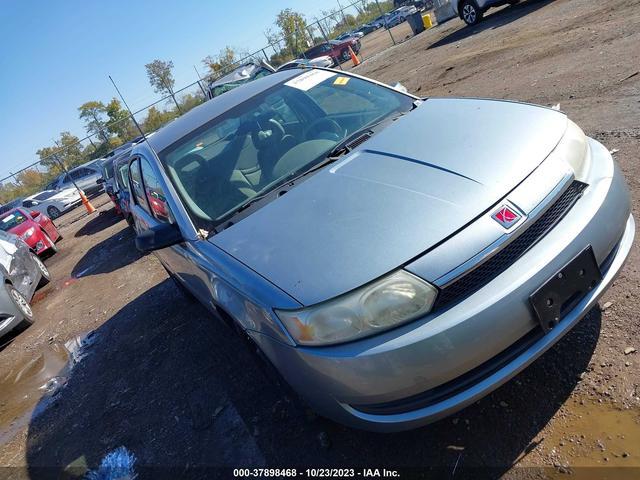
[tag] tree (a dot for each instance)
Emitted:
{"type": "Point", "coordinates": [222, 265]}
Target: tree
{"type": "Point", "coordinates": [120, 123]}
{"type": "Point", "coordinates": [156, 119]}
{"type": "Point", "coordinates": [93, 115]}
{"type": "Point", "coordinates": [67, 149]}
{"type": "Point", "coordinates": [161, 78]}
{"type": "Point", "coordinates": [293, 28]}
{"type": "Point", "coordinates": [223, 61]}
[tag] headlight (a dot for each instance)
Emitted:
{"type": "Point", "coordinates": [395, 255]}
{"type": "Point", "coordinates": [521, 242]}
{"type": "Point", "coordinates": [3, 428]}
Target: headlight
{"type": "Point", "coordinates": [28, 233]}
{"type": "Point", "coordinates": [573, 149]}
{"type": "Point", "coordinates": [383, 304]}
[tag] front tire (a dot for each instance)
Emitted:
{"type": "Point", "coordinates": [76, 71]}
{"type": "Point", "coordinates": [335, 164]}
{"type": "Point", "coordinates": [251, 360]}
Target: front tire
{"type": "Point", "coordinates": [53, 212]}
{"type": "Point", "coordinates": [345, 55]}
{"type": "Point", "coordinates": [470, 13]}
{"type": "Point", "coordinates": [21, 304]}
{"type": "Point", "coordinates": [45, 275]}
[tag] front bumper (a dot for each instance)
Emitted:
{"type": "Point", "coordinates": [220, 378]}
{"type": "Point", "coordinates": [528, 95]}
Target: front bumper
{"type": "Point", "coordinates": [350, 382]}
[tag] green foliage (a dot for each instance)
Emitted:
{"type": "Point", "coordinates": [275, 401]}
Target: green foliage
{"type": "Point", "coordinates": [93, 115]}
{"type": "Point", "coordinates": [293, 29]}
{"type": "Point", "coordinates": [157, 118]}
{"type": "Point", "coordinates": [222, 62]}
{"type": "Point", "coordinates": [120, 123]}
{"type": "Point", "coordinates": [189, 101]}
{"type": "Point", "coordinates": [161, 76]}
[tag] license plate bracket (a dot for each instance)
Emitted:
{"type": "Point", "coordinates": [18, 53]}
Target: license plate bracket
{"type": "Point", "coordinates": [560, 293]}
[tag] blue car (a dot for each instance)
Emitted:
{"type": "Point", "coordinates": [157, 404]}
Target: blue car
{"type": "Point", "coordinates": [393, 264]}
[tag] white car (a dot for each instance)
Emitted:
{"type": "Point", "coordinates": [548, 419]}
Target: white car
{"type": "Point", "coordinates": [324, 61]}
{"type": "Point", "coordinates": [53, 202]}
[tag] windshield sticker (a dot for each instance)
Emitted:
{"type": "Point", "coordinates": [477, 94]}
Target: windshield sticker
{"type": "Point", "coordinates": [341, 81]}
{"type": "Point", "coordinates": [309, 79]}
{"type": "Point", "coordinates": [8, 218]}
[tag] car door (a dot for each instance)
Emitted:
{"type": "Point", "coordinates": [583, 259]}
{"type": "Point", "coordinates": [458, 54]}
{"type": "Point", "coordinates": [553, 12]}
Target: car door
{"type": "Point", "coordinates": [150, 208]}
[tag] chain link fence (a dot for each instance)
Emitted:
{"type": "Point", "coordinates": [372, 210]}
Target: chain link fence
{"type": "Point", "coordinates": [317, 32]}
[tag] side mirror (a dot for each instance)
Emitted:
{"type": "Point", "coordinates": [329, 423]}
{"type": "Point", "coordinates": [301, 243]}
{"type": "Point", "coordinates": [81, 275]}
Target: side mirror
{"type": "Point", "coordinates": [34, 214]}
{"type": "Point", "coordinates": [100, 181]}
{"type": "Point", "coordinates": [159, 236]}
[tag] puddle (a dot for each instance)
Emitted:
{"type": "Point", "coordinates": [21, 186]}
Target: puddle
{"type": "Point", "coordinates": [34, 382]}
{"type": "Point", "coordinates": [598, 435]}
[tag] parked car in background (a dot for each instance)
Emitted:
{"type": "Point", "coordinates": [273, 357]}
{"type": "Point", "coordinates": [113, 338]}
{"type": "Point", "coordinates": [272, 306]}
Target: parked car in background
{"type": "Point", "coordinates": [35, 228]}
{"type": "Point", "coordinates": [53, 202]}
{"type": "Point", "coordinates": [121, 188]}
{"type": "Point", "coordinates": [109, 176]}
{"type": "Point", "coordinates": [352, 33]}
{"type": "Point", "coordinates": [11, 205]}
{"type": "Point", "coordinates": [84, 176]}
{"type": "Point", "coordinates": [241, 75]}
{"type": "Point", "coordinates": [336, 49]}
{"type": "Point", "coordinates": [390, 284]}
{"type": "Point", "coordinates": [21, 273]}
{"type": "Point", "coordinates": [398, 16]}
{"type": "Point", "coordinates": [323, 61]}
{"type": "Point", "coordinates": [472, 11]}
{"type": "Point", "coordinates": [367, 28]}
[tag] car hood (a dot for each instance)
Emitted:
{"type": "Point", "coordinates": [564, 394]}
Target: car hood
{"type": "Point", "coordinates": [66, 194]}
{"type": "Point", "coordinates": [19, 230]}
{"type": "Point", "coordinates": [406, 189]}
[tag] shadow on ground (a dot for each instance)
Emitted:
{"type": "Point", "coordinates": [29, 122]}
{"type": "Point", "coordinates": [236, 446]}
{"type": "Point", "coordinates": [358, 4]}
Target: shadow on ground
{"type": "Point", "coordinates": [180, 390]}
{"type": "Point", "coordinates": [493, 20]}
{"type": "Point", "coordinates": [108, 255]}
{"type": "Point", "coordinates": [101, 221]}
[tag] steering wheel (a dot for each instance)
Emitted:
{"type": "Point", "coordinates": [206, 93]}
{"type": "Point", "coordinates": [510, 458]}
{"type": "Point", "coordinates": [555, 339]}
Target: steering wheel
{"type": "Point", "coordinates": [324, 128]}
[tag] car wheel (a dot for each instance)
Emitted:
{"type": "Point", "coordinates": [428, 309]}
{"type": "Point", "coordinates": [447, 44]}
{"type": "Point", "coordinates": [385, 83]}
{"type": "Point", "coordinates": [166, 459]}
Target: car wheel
{"type": "Point", "coordinates": [45, 275]}
{"type": "Point", "coordinates": [52, 245]}
{"type": "Point", "coordinates": [470, 13]}
{"type": "Point", "coordinates": [53, 212]}
{"type": "Point", "coordinates": [21, 303]}
{"type": "Point", "coordinates": [345, 55]}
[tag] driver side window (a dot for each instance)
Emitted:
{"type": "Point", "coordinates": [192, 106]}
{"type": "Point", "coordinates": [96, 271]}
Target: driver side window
{"type": "Point", "coordinates": [154, 193]}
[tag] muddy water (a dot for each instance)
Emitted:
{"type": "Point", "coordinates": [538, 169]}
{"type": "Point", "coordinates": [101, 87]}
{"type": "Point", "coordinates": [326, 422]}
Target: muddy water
{"type": "Point", "coordinates": [598, 435]}
{"type": "Point", "coordinates": [34, 380]}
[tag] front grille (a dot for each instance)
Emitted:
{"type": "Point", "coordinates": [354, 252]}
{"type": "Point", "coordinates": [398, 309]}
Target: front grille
{"type": "Point", "coordinates": [486, 272]}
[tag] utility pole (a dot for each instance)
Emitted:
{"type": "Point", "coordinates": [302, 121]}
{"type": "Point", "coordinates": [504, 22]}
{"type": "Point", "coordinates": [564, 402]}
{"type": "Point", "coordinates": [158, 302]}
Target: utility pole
{"type": "Point", "coordinates": [204, 92]}
{"type": "Point", "coordinates": [384, 26]}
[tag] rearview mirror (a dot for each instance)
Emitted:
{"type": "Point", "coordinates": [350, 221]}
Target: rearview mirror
{"type": "Point", "coordinates": [159, 236]}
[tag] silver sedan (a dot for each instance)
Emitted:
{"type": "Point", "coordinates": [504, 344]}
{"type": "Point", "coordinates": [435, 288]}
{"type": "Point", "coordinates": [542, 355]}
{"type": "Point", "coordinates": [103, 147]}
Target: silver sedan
{"type": "Point", "coordinates": [395, 258]}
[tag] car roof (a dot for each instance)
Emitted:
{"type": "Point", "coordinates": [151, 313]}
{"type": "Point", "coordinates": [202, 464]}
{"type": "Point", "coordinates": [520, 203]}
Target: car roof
{"type": "Point", "coordinates": [215, 107]}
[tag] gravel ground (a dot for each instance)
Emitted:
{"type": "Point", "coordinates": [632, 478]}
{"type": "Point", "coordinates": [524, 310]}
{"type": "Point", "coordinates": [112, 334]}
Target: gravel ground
{"type": "Point", "coordinates": [162, 378]}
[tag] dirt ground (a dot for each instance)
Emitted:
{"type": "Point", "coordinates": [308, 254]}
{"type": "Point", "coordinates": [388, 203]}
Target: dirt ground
{"type": "Point", "coordinates": [159, 376]}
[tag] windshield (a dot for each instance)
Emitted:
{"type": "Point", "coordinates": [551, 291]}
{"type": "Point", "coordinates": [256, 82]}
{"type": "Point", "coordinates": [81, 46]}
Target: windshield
{"type": "Point", "coordinates": [11, 220]}
{"type": "Point", "coordinates": [270, 138]}
{"type": "Point", "coordinates": [44, 195]}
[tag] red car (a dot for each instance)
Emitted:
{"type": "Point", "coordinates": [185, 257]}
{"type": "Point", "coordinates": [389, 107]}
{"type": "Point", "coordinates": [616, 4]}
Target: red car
{"type": "Point", "coordinates": [336, 49]}
{"type": "Point", "coordinates": [35, 228]}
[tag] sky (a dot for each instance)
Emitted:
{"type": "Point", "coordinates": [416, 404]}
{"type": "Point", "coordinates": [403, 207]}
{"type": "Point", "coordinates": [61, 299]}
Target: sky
{"type": "Point", "coordinates": [56, 55]}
